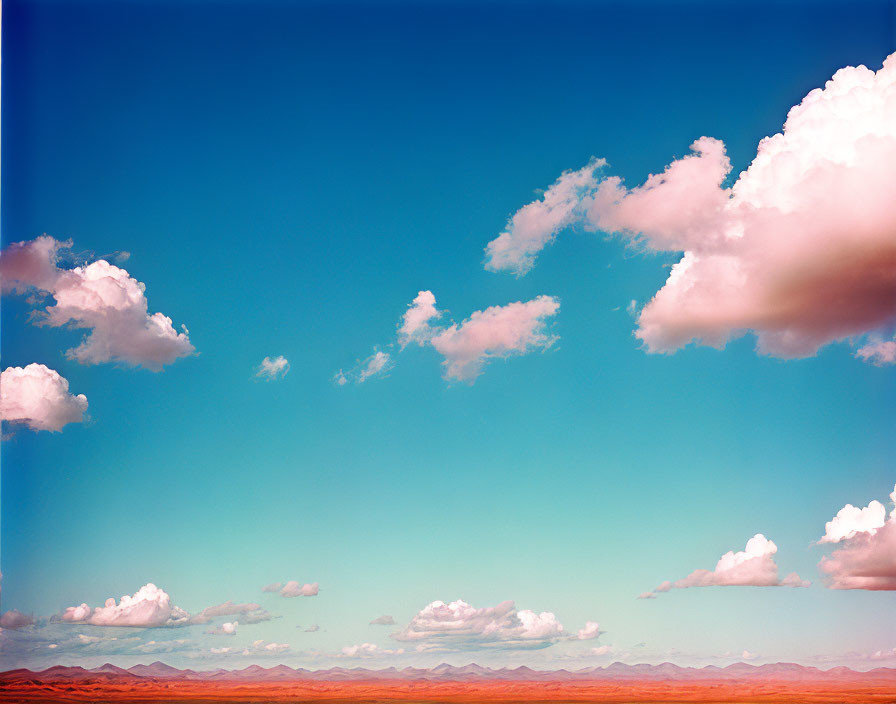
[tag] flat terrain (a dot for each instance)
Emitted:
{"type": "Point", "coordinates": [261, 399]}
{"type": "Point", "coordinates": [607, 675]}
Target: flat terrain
{"type": "Point", "coordinates": [504, 692]}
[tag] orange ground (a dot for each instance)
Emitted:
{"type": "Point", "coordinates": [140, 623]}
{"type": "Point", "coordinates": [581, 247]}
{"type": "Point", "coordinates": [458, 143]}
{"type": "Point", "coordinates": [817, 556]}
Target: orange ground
{"type": "Point", "coordinates": [159, 691]}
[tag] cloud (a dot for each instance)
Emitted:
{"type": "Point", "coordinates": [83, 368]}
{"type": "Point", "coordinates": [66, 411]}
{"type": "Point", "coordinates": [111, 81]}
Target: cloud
{"type": "Point", "coordinates": [878, 352]}
{"type": "Point", "coordinates": [368, 650]}
{"type": "Point", "coordinates": [459, 626]}
{"type": "Point", "coordinates": [293, 589]}
{"type": "Point", "coordinates": [313, 628]}
{"type": "Point", "coordinates": [751, 567]}
{"type": "Point", "coordinates": [416, 322]}
{"type": "Point", "coordinates": [867, 557]}
{"type": "Point", "coordinates": [747, 655]}
{"type": "Point", "coordinates": [253, 613]}
{"type": "Point", "coordinates": [263, 646]}
{"type": "Point", "coordinates": [99, 297]}
{"type": "Point", "coordinates": [377, 364]}
{"type": "Point", "coordinates": [38, 398]}
{"type": "Point", "coordinates": [151, 607]}
{"type": "Point", "coordinates": [14, 620]}
{"type": "Point", "coordinates": [275, 368]}
{"type": "Point", "coordinates": [496, 332]}
{"type": "Point", "coordinates": [534, 226]}
{"type": "Point", "coordinates": [25, 266]}
{"type": "Point", "coordinates": [851, 520]}
{"type": "Point", "coordinates": [602, 650]}
{"type": "Point", "coordinates": [227, 628]}
{"type": "Point", "coordinates": [590, 631]}
{"type": "Point", "coordinates": [384, 620]}
{"type": "Point", "coordinates": [799, 250]}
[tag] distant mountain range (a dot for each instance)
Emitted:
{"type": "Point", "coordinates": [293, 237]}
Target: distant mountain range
{"type": "Point", "coordinates": [666, 672]}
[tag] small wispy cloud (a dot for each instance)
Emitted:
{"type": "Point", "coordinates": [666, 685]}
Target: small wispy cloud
{"type": "Point", "coordinates": [272, 368]}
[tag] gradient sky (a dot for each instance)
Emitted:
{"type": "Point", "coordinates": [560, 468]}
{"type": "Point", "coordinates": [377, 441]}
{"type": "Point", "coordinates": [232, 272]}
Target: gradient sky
{"type": "Point", "coordinates": [286, 177]}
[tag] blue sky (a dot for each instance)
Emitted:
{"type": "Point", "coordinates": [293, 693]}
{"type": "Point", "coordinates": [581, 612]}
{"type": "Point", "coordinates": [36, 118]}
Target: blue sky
{"type": "Point", "coordinates": [286, 178]}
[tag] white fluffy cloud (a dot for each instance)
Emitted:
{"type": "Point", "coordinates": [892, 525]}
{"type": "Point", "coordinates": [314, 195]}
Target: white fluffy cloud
{"type": "Point", "coordinates": [38, 397]}
{"type": "Point", "coordinates": [590, 631]}
{"type": "Point", "coordinates": [752, 567]}
{"type": "Point", "coordinates": [460, 626]}
{"type": "Point", "coordinates": [99, 297]}
{"type": "Point", "coordinates": [151, 607]}
{"type": "Point", "coordinates": [799, 250]}
{"type": "Point", "coordinates": [275, 368]}
{"type": "Point", "coordinates": [293, 588]}
{"type": "Point", "coordinates": [866, 558]}
{"type": "Point", "coordinates": [851, 520]}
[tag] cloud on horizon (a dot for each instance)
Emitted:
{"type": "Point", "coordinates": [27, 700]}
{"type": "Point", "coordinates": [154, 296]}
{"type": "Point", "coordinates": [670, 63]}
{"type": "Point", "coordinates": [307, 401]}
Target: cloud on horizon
{"type": "Point", "coordinates": [752, 567]}
{"type": "Point", "coordinates": [151, 607]}
{"type": "Point", "coordinates": [458, 626]}
{"type": "Point", "coordinates": [799, 250]}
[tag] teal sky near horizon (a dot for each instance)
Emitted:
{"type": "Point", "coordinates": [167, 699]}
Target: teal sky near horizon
{"type": "Point", "coordinates": [286, 178]}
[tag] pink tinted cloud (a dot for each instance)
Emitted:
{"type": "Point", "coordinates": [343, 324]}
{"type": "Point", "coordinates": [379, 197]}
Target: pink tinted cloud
{"type": "Point", "coordinates": [752, 567]}
{"type": "Point", "coordinates": [151, 607]}
{"type": "Point", "coordinates": [293, 588]}
{"type": "Point", "coordinates": [535, 226]}
{"type": "Point", "coordinates": [99, 297]}
{"type": "Point", "coordinates": [458, 625]}
{"type": "Point", "coordinates": [867, 556]}
{"type": "Point", "coordinates": [800, 250]}
{"type": "Point", "coordinates": [416, 323]}
{"type": "Point", "coordinates": [496, 332]}
{"type": "Point", "coordinates": [14, 620]}
{"type": "Point", "coordinates": [37, 397]}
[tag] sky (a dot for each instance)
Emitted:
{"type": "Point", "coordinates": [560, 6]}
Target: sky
{"type": "Point", "coordinates": [363, 312]}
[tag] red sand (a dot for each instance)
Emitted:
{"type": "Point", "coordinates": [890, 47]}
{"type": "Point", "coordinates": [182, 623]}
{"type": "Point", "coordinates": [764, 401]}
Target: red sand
{"type": "Point", "coordinates": [503, 692]}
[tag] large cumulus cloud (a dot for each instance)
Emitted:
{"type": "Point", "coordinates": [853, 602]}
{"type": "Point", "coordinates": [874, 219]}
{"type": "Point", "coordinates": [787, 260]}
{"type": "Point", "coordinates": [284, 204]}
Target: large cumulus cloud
{"type": "Point", "coordinates": [800, 250]}
{"type": "Point", "coordinates": [99, 297]}
{"type": "Point", "coordinates": [866, 558]}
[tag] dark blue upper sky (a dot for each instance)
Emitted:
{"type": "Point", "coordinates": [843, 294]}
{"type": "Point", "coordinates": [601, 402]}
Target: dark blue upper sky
{"type": "Point", "coordinates": [286, 177]}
